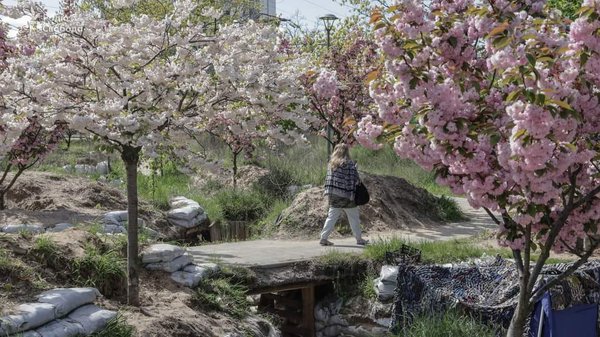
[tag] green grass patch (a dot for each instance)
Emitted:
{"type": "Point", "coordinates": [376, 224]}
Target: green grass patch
{"type": "Point", "coordinates": [449, 324]}
{"type": "Point", "coordinates": [116, 327]}
{"type": "Point", "coordinates": [104, 270]}
{"type": "Point", "coordinates": [367, 287]}
{"type": "Point", "coordinates": [449, 210]}
{"type": "Point", "coordinates": [225, 291]}
{"type": "Point", "coordinates": [337, 258]}
{"type": "Point", "coordinates": [447, 251]}
{"type": "Point", "coordinates": [434, 251]}
{"type": "Point", "coordinates": [241, 205]}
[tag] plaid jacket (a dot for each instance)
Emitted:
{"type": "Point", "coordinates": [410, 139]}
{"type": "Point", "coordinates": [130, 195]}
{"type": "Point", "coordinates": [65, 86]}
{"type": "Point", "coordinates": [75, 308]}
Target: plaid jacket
{"type": "Point", "coordinates": [342, 181]}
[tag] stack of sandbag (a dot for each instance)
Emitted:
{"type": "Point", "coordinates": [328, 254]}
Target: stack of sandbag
{"type": "Point", "coordinates": [175, 260]}
{"type": "Point", "coordinates": [385, 284]}
{"type": "Point", "coordinates": [185, 213]}
{"type": "Point", "coordinates": [61, 312]}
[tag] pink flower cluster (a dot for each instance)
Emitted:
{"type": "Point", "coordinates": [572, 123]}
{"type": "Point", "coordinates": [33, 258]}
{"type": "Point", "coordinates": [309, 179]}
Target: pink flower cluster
{"type": "Point", "coordinates": [326, 85]}
{"type": "Point", "coordinates": [511, 133]}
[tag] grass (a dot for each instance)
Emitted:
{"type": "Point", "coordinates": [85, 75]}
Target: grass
{"type": "Point", "coordinates": [102, 270]}
{"type": "Point", "coordinates": [449, 210]}
{"type": "Point", "coordinates": [433, 251]}
{"type": "Point", "coordinates": [447, 251]}
{"type": "Point", "coordinates": [338, 258]}
{"type": "Point", "coordinates": [45, 248]}
{"type": "Point", "coordinates": [116, 327]}
{"type": "Point", "coordinates": [450, 324]}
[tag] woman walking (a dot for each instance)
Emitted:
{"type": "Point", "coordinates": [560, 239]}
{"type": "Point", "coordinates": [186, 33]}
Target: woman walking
{"type": "Point", "coordinates": [340, 184]}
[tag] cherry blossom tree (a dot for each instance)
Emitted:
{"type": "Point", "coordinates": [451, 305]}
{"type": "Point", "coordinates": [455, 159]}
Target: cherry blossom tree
{"type": "Point", "coordinates": [501, 99]}
{"type": "Point", "coordinates": [27, 132]}
{"type": "Point", "coordinates": [258, 97]}
{"type": "Point", "coordinates": [337, 91]}
{"type": "Point", "coordinates": [125, 83]}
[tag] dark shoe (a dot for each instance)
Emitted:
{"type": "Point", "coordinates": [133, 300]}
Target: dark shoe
{"type": "Point", "coordinates": [325, 243]}
{"type": "Point", "coordinates": [362, 242]}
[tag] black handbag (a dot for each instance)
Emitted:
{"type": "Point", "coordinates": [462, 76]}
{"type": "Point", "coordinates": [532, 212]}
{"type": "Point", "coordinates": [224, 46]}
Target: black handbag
{"type": "Point", "coordinates": [361, 195]}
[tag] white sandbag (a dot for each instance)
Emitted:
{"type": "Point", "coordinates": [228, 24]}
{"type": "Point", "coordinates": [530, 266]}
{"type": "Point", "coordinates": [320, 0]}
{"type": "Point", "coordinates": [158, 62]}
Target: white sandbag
{"type": "Point", "coordinates": [182, 223]}
{"type": "Point", "coordinates": [385, 291]}
{"type": "Point", "coordinates": [161, 252]}
{"type": "Point", "coordinates": [59, 227]}
{"type": "Point", "coordinates": [30, 333]}
{"type": "Point", "coordinates": [200, 270]}
{"type": "Point", "coordinates": [114, 229]}
{"type": "Point", "coordinates": [186, 279]}
{"type": "Point", "coordinates": [61, 328]}
{"type": "Point", "coordinates": [178, 202]}
{"type": "Point", "coordinates": [389, 274]}
{"type": "Point", "coordinates": [185, 213]}
{"type": "Point", "coordinates": [172, 266]}
{"type": "Point", "coordinates": [115, 217]}
{"type": "Point", "coordinates": [102, 168]}
{"type": "Point", "coordinates": [28, 316]}
{"type": "Point", "coordinates": [92, 318]}
{"type": "Point", "coordinates": [15, 229]}
{"type": "Point", "coordinates": [68, 299]}
{"type": "Point", "coordinates": [85, 169]}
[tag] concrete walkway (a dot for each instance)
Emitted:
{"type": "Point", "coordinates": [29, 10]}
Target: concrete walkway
{"type": "Point", "coordinates": [271, 253]}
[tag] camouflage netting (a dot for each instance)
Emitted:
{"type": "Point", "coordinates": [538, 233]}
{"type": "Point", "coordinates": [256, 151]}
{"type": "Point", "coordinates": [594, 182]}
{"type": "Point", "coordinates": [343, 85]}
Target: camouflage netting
{"type": "Point", "coordinates": [487, 289]}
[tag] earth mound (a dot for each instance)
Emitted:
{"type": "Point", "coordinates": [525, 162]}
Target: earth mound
{"type": "Point", "coordinates": [49, 198]}
{"type": "Point", "coordinates": [394, 204]}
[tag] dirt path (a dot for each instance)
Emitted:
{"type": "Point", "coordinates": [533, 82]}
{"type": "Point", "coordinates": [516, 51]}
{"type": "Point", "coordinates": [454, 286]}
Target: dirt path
{"type": "Point", "coordinates": [281, 252]}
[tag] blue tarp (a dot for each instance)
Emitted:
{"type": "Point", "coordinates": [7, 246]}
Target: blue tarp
{"type": "Point", "coordinates": [579, 320]}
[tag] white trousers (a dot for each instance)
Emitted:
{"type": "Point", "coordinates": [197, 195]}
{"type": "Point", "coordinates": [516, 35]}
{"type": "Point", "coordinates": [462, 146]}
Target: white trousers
{"type": "Point", "coordinates": [333, 216]}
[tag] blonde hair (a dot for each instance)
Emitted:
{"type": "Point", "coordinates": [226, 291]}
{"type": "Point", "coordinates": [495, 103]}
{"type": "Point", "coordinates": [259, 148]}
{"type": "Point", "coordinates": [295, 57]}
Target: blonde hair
{"type": "Point", "coordinates": [340, 155]}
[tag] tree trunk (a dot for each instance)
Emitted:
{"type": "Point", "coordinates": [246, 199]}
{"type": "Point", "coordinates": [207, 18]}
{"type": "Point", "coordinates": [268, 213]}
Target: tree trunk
{"type": "Point", "coordinates": [2, 200]}
{"type": "Point", "coordinates": [522, 311]}
{"type": "Point", "coordinates": [131, 156]}
{"type": "Point", "coordinates": [235, 169]}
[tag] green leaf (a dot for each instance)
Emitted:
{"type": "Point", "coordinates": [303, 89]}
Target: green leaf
{"type": "Point", "coordinates": [513, 95]}
{"type": "Point", "coordinates": [453, 41]}
{"type": "Point", "coordinates": [519, 134]}
{"type": "Point", "coordinates": [502, 42]}
{"type": "Point", "coordinates": [531, 59]}
{"type": "Point", "coordinates": [541, 99]}
{"type": "Point", "coordinates": [561, 104]}
{"type": "Point", "coordinates": [495, 139]}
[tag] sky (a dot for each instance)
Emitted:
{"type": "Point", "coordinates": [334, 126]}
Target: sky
{"type": "Point", "coordinates": [308, 11]}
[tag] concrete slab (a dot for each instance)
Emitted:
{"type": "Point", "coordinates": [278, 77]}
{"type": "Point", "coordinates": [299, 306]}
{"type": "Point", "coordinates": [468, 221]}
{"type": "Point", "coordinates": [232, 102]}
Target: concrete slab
{"type": "Point", "coordinates": [271, 253]}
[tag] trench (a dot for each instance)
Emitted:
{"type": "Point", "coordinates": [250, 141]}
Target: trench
{"type": "Point", "coordinates": [291, 292]}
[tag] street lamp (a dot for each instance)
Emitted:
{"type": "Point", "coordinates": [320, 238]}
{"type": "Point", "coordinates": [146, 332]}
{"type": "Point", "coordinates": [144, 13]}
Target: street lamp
{"type": "Point", "coordinates": [328, 21]}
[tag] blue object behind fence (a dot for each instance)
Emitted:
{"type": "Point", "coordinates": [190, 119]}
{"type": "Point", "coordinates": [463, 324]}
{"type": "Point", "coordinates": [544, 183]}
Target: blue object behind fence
{"type": "Point", "coordinates": [576, 321]}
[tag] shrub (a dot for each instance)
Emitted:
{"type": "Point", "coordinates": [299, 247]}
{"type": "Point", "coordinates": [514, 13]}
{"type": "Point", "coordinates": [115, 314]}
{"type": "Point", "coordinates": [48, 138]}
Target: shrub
{"type": "Point", "coordinates": [275, 184]}
{"type": "Point", "coordinates": [102, 270]}
{"type": "Point", "coordinates": [238, 205]}
{"type": "Point", "coordinates": [225, 291]}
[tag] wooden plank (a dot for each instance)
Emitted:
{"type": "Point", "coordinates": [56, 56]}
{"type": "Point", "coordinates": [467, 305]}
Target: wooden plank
{"type": "Point", "coordinates": [286, 287]}
{"type": "Point", "coordinates": [308, 310]}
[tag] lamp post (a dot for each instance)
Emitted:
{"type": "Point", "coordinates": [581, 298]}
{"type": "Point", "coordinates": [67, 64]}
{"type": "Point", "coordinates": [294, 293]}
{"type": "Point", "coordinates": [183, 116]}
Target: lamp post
{"type": "Point", "coordinates": [328, 21]}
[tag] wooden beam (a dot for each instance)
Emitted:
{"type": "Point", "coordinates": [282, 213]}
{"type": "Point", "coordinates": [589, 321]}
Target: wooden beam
{"type": "Point", "coordinates": [308, 310]}
{"type": "Point", "coordinates": [286, 287]}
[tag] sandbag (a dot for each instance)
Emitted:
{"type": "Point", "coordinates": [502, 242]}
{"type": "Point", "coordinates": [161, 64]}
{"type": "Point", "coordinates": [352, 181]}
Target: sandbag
{"type": "Point", "coordinates": [186, 279]}
{"type": "Point", "coordinates": [61, 328]}
{"type": "Point", "coordinates": [172, 266]}
{"type": "Point", "coordinates": [15, 229]}
{"type": "Point", "coordinates": [92, 318]}
{"type": "Point", "coordinates": [389, 274]}
{"type": "Point", "coordinates": [59, 227]}
{"type": "Point", "coordinates": [115, 217]}
{"type": "Point", "coordinates": [178, 202]}
{"type": "Point", "coordinates": [66, 300]}
{"type": "Point", "coordinates": [386, 284]}
{"type": "Point", "coordinates": [185, 213]}
{"type": "Point", "coordinates": [28, 316]}
{"type": "Point", "coordinates": [161, 252]}
{"type": "Point", "coordinates": [102, 168]}
{"type": "Point", "coordinates": [201, 269]}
